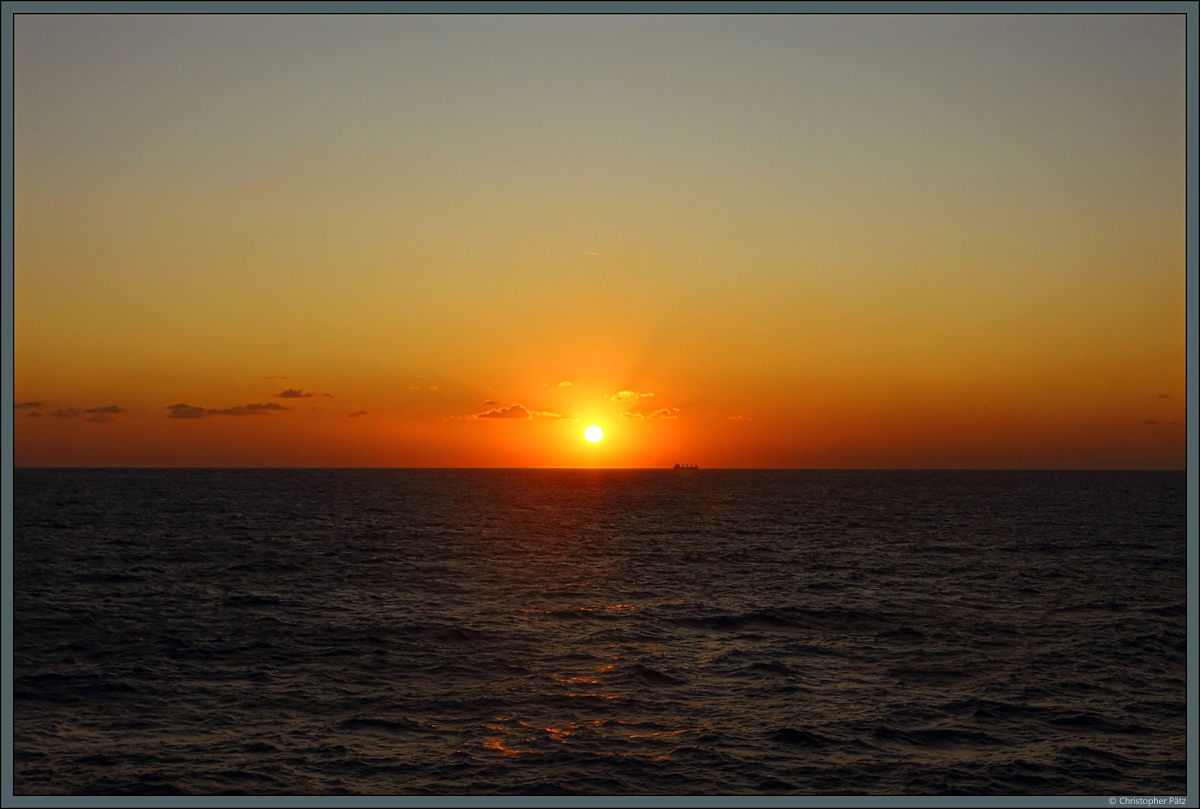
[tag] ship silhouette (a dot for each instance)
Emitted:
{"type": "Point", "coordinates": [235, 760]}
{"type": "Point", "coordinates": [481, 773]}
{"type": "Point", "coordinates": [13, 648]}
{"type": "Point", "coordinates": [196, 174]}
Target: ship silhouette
{"type": "Point", "coordinates": [686, 466]}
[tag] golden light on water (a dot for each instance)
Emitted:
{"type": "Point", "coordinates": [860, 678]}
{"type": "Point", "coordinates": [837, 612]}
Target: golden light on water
{"type": "Point", "coordinates": [593, 434]}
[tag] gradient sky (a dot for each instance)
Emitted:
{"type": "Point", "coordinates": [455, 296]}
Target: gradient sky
{"type": "Point", "coordinates": [817, 241]}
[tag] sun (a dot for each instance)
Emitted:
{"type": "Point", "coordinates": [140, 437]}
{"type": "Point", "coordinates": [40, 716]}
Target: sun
{"type": "Point", "coordinates": [593, 433]}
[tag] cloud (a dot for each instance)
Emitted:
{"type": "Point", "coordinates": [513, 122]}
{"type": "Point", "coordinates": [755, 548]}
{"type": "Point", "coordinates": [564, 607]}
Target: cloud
{"type": "Point", "coordinates": [356, 414]}
{"type": "Point", "coordinates": [236, 411]}
{"type": "Point", "coordinates": [27, 405]}
{"type": "Point", "coordinates": [293, 393]}
{"type": "Point", "coordinates": [740, 418]}
{"type": "Point", "coordinates": [187, 411]}
{"type": "Point", "coordinates": [514, 412]}
{"type": "Point", "coordinates": [517, 411]}
{"type": "Point", "coordinates": [1163, 396]}
{"type": "Point", "coordinates": [33, 415]}
{"type": "Point", "coordinates": [276, 377]}
{"type": "Point", "coordinates": [661, 413]}
{"type": "Point", "coordinates": [1150, 421]}
{"type": "Point", "coordinates": [99, 415]}
{"type": "Point", "coordinates": [628, 396]}
{"type": "Point", "coordinates": [489, 401]}
{"type": "Point", "coordinates": [433, 387]}
{"type": "Point", "coordinates": [564, 384]}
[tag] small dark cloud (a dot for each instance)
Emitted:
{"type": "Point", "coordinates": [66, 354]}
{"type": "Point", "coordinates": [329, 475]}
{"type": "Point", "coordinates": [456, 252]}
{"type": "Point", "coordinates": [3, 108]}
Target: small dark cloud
{"type": "Point", "coordinates": [100, 418]}
{"type": "Point", "coordinates": [236, 411]}
{"type": "Point", "coordinates": [517, 411]}
{"type": "Point", "coordinates": [275, 377]}
{"type": "Point", "coordinates": [185, 411]}
{"type": "Point", "coordinates": [489, 401]}
{"type": "Point", "coordinates": [294, 393]}
{"type": "Point", "coordinates": [1163, 396]}
{"type": "Point", "coordinates": [512, 412]}
{"type": "Point", "coordinates": [740, 418]}
{"type": "Point", "coordinates": [106, 409]}
{"type": "Point", "coordinates": [27, 405]}
{"type": "Point", "coordinates": [69, 413]}
{"type": "Point", "coordinates": [356, 414]}
{"type": "Point", "coordinates": [1150, 421]}
{"type": "Point", "coordinates": [33, 415]}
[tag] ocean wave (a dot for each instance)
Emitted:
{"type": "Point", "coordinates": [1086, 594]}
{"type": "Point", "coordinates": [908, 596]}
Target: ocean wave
{"type": "Point", "coordinates": [445, 632]}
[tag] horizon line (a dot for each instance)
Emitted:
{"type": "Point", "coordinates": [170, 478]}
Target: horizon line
{"type": "Point", "coordinates": [654, 468]}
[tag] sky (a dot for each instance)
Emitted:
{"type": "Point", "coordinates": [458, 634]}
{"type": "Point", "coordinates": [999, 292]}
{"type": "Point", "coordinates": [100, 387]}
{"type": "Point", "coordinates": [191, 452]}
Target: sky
{"type": "Point", "coordinates": [810, 241]}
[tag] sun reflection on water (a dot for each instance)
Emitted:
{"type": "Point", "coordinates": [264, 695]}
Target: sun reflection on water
{"type": "Point", "coordinates": [510, 736]}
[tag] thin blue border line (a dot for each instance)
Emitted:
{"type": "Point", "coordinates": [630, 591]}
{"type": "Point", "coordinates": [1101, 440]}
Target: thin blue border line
{"type": "Point", "coordinates": [1190, 9]}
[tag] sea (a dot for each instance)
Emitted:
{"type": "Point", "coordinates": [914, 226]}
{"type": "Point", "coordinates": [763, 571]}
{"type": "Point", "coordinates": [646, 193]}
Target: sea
{"type": "Point", "coordinates": [598, 632]}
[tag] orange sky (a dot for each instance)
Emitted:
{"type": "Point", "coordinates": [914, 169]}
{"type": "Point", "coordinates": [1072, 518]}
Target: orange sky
{"type": "Point", "coordinates": [859, 241]}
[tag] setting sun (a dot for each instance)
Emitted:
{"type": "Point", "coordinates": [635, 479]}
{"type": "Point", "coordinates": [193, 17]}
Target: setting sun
{"type": "Point", "coordinates": [593, 434]}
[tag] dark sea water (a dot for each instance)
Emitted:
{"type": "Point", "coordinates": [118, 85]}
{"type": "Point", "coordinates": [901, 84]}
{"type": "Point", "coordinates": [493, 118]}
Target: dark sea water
{"type": "Point", "coordinates": [470, 632]}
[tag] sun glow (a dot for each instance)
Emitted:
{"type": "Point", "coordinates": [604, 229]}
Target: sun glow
{"type": "Point", "coordinates": [593, 434]}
